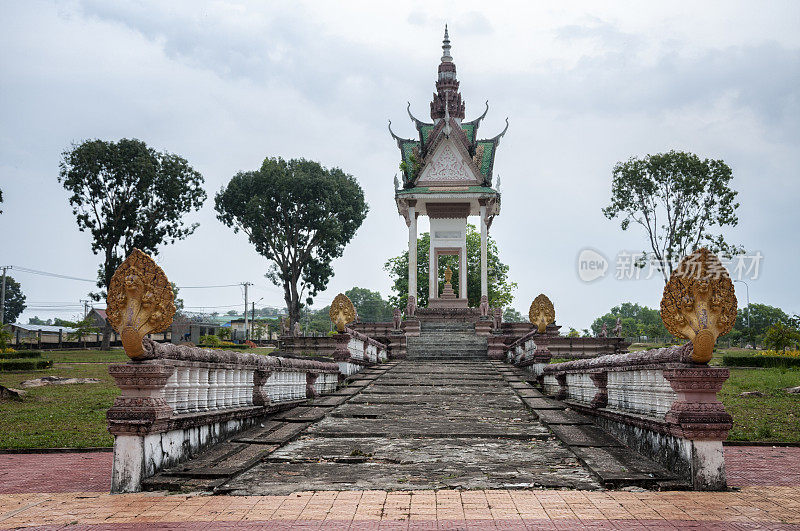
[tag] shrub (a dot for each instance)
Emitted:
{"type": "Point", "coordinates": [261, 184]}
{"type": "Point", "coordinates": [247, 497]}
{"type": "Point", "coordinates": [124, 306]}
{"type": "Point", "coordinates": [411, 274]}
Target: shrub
{"type": "Point", "coordinates": [250, 344]}
{"type": "Point", "coordinates": [24, 365]}
{"type": "Point", "coordinates": [25, 354]}
{"type": "Point", "coordinates": [781, 353]}
{"type": "Point", "coordinates": [210, 341]}
{"type": "Point", "coordinates": [760, 361]}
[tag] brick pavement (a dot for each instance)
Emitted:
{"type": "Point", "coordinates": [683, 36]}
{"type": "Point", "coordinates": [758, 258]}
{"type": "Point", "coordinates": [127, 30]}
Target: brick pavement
{"type": "Point", "coordinates": [759, 465]}
{"type": "Point", "coordinates": [64, 472]}
{"type": "Point", "coordinates": [751, 508]}
{"type": "Point", "coordinates": [37, 490]}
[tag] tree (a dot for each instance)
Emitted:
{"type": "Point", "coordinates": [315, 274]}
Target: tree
{"type": "Point", "coordinates": [510, 315]}
{"type": "Point", "coordinates": [636, 321]}
{"type": "Point", "coordinates": [175, 299]}
{"type": "Point", "coordinates": [85, 327]}
{"type": "Point", "coordinates": [128, 195]}
{"type": "Point", "coordinates": [499, 286]}
{"type": "Point", "coordinates": [753, 321]}
{"type": "Point", "coordinates": [299, 216]}
{"type": "Point", "coordinates": [14, 301]}
{"type": "Point", "coordinates": [370, 305]}
{"type": "Point", "coordinates": [573, 333]}
{"type": "Point", "coordinates": [678, 199]}
{"type": "Point", "coordinates": [779, 336]}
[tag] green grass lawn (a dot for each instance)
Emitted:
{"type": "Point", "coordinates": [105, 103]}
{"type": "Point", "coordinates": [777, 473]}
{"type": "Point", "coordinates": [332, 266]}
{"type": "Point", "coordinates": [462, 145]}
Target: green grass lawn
{"type": "Point", "coordinates": [86, 356]}
{"type": "Point", "coordinates": [64, 416]}
{"type": "Point", "coordinates": [774, 417]}
{"type": "Point", "coordinates": [57, 416]}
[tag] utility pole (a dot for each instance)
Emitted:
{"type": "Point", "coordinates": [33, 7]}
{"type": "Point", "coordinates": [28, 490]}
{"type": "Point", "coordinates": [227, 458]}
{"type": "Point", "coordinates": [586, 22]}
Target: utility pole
{"type": "Point", "coordinates": [3, 296]}
{"type": "Point", "coordinates": [85, 308]}
{"type": "Point", "coordinates": [246, 331]}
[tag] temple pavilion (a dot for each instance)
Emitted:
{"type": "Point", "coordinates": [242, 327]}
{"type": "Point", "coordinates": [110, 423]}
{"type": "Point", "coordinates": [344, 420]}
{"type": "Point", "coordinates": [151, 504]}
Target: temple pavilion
{"type": "Point", "coordinates": [447, 176]}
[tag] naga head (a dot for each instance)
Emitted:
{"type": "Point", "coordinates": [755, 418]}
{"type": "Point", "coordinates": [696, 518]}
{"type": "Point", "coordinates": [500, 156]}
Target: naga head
{"type": "Point", "coordinates": [699, 302]}
{"type": "Point", "coordinates": [139, 302]}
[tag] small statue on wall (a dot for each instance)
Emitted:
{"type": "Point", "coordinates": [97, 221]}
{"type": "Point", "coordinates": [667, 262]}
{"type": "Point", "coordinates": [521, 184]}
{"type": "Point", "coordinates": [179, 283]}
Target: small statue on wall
{"type": "Point", "coordinates": [297, 331]}
{"type": "Point", "coordinates": [618, 328]}
{"type": "Point", "coordinates": [603, 331]}
{"type": "Point", "coordinates": [411, 307]}
{"type": "Point", "coordinates": [483, 307]}
{"type": "Point", "coordinates": [398, 318]}
{"type": "Point", "coordinates": [498, 318]}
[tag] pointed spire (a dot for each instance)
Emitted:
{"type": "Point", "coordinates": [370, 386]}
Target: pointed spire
{"type": "Point", "coordinates": [446, 58]}
{"type": "Point", "coordinates": [447, 85]}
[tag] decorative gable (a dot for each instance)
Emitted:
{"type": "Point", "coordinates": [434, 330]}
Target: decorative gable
{"type": "Point", "coordinates": [449, 165]}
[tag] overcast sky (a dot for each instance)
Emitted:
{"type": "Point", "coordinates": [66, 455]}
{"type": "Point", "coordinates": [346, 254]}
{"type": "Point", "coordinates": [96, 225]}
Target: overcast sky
{"type": "Point", "coordinates": [226, 84]}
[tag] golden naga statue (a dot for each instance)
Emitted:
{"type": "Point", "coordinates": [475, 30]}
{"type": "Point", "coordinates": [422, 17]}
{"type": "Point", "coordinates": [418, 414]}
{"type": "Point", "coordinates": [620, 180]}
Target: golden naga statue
{"type": "Point", "coordinates": [448, 275]}
{"type": "Point", "coordinates": [342, 312]}
{"type": "Point", "coordinates": [699, 302]}
{"type": "Point", "coordinates": [140, 301]}
{"type": "Point", "coordinates": [542, 312]}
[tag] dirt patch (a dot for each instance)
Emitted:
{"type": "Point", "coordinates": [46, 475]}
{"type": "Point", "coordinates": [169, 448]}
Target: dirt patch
{"type": "Point", "coordinates": [58, 380]}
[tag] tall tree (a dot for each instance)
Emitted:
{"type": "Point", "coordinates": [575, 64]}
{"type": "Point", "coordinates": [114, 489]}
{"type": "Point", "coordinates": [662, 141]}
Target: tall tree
{"type": "Point", "coordinates": [371, 307]}
{"type": "Point", "coordinates": [636, 321]}
{"type": "Point", "coordinates": [753, 321]}
{"type": "Point", "coordinates": [299, 216]}
{"type": "Point", "coordinates": [679, 200]}
{"type": "Point", "coordinates": [510, 315]}
{"type": "Point", "coordinates": [500, 288]}
{"type": "Point", "coordinates": [128, 195]}
{"type": "Point", "coordinates": [15, 301]}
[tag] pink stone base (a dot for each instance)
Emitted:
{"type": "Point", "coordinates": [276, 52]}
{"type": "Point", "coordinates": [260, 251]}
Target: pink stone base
{"type": "Point", "coordinates": [447, 303]}
{"type": "Point", "coordinates": [483, 328]}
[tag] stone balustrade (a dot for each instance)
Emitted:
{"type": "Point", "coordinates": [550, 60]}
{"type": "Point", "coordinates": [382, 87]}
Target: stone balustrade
{"type": "Point", "coordinates": [355, 350]}
{"type": "Point", "coordinates": [178, 399]}
{"type": "Point", "coordinates": [658, 402]}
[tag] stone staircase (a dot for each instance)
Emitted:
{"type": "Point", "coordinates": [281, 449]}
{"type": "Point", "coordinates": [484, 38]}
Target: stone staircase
{"type": "Point", "coordinates": [447, 341]}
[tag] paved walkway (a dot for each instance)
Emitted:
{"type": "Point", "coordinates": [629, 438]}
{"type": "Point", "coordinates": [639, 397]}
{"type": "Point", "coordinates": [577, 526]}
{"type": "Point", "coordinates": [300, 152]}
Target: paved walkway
{"type": "Point", "coordinates": [421, 425]}
{"type": "Point", "coordinates": [752, 508]}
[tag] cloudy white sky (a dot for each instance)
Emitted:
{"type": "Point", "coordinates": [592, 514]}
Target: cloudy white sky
{"type": "Point", "coordinates": [225, 84]}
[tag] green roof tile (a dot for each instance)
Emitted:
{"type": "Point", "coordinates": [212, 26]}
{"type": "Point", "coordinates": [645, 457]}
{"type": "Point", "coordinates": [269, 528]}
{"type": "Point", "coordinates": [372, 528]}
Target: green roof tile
{"type": "Point", "coordinates": [486, 162]}
{"type": "Point", "coordinates": [426, 132]}
{"type": "Point", "coordinates": [469, 130]}
{"type": "Point", "coordinates": [429, 190]}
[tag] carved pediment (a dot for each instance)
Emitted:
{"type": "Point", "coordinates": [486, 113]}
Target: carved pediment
{"type": "Point", "coordinates": [449, 164]}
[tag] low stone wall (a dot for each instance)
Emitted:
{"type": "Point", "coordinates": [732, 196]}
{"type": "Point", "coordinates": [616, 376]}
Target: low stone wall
{"type": "Point", "coordinates": [657, 402]}
{"type": "Point", "coordinates": [305, 345]}
{"type": "Point", "coordinates": [392, 344]}
{"type": "Point", "coordinates": [177, 400]}
{"type": "Point", "coordinates": [522, 349]}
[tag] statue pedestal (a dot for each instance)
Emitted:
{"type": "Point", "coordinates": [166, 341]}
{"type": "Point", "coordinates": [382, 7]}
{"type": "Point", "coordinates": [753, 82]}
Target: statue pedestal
{"type": "Point", "coordinates": [447, 303]}
{"type": "Point", "coordinates": [483, 327]}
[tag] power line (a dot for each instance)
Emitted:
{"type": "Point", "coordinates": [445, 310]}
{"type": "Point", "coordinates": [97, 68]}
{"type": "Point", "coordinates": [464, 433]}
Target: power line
{"type": "Point", "coordinates": [206, 287]}
{"type": "Point", "coordinates": [69, 277]}
{"type": "Point", "coordinates": [49, 274]}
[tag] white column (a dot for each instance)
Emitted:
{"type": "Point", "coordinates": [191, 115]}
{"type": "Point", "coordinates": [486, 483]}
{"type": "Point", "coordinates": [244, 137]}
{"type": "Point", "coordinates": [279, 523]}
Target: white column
{"type": "Point", "coordinates": [433, 273]}
{"type": "Point", "coordinates": [412, 251]}
{"type": "Point", "coordinates": [462, 273]}
{"type": "Point", "coordinates": [484, 264]}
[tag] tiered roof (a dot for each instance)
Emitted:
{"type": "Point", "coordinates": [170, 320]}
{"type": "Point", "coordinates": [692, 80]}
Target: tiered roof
{"type": "Point", "coordinates": [447, 113]}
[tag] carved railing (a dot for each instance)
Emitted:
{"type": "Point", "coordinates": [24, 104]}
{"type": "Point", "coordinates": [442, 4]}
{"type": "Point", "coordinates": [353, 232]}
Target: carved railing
{"type": "Point", "coordinates": [355, 350]}
{"type": "Point", "coordinates": [658, 401]}
{"type": "Point", "coordinates": [176, 400]}
{"type": "Point", "coordinates": [662, 402]}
